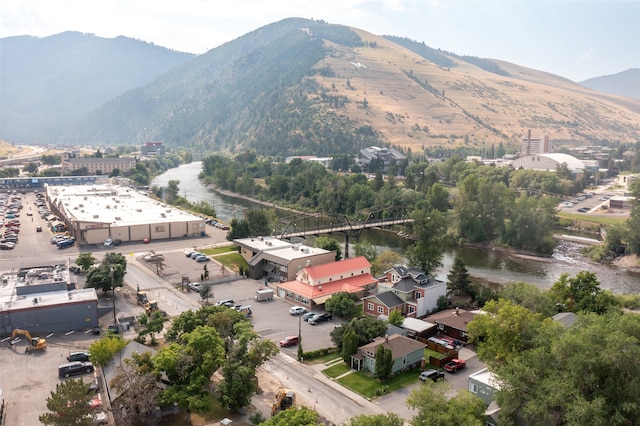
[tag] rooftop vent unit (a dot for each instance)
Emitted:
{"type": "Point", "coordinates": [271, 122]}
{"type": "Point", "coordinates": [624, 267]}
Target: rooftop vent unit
{"type": "Point", "coordinates": [163, 215]}
{"type": "Point", "coordinates": [118, 218]}
{"type": "Point", "coordinates": [139, 210]}
{"type": "Point", "coordinates": [95, 216]}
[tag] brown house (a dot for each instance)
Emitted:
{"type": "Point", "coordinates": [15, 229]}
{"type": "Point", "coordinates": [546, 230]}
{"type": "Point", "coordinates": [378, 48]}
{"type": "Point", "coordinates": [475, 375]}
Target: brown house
{"type": "Point", "coordinates": [452, 322]}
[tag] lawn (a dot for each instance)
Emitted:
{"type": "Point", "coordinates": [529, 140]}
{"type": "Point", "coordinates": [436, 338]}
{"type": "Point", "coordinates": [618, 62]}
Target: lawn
{"type": "Point", "coordinates": [336, 370]}
{"type": "Point", "coordinates": [233, 261]}
{"type": "Point", "coordinates": [323, 358]}
{"type": "Point", "coordinates": [220, 250]}
{"type": "Point", "coordinates": [431, 353]}
{"type": "Point", "coordinates": [601, 220]}
{"type": "Point", "coordinates": [366, 386]}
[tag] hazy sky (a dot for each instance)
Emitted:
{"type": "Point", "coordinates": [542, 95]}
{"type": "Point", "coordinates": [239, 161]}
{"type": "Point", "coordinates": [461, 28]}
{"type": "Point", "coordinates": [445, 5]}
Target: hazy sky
{"type": "Point", "coordinates": [573, 39]}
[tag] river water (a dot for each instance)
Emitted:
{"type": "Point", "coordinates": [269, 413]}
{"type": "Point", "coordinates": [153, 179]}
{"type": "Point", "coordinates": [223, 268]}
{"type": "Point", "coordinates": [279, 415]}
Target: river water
{"type": "Point", "coordinates": [486, 264]}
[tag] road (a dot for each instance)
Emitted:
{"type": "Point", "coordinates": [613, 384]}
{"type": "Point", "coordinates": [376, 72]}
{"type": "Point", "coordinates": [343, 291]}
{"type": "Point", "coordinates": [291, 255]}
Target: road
{"type": "Point", "coordinates": [314, 390]}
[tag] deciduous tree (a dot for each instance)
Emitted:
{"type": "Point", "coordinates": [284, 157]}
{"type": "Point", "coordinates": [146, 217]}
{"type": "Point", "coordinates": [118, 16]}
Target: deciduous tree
{"type": "Point", "coordinates": [341, 304]}
{"type": "Point", "coordinates": [349, 345]}
{"type": "Point", "coordinates": [104, 349]}
{"type": "Point", "coordinates": [388, 419]}
{"type": "Point", "coordinates": [430, 228]}
{"type": "Point", "coordinates": [435, 408]}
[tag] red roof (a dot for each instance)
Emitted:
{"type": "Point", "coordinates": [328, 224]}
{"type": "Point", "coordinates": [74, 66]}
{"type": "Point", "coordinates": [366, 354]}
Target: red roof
{"type": "Point", "coordinates": [333, 268]}
{"type": "Point", "coordinates": [350, 285]}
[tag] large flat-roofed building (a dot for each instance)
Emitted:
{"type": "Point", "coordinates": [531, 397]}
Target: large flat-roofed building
{"type": "Point", "coordinates": [94, 213]}
{"type": "Point", "coordinates": [549, 162]}
{"type": "Point", "coordinates": [277, 260]}
{"type": "Point", "coordinates": [105, 165]}
{"type": "Point", "coordinates": [39, 300]}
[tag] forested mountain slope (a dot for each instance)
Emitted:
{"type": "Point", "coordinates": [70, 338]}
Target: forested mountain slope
{"type": "Point", "coordinates": [47, 83]}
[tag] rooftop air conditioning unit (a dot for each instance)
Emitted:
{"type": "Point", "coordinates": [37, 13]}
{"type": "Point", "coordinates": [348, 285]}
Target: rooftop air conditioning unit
{"type": "Point", "coordinates": [118, 218]}
{"type": "Point", "coordinates": [95, 216]}
{"type": "Point", "coordinates": [139, 210]}
{"type": "Point", "coordinates": [163, 215]}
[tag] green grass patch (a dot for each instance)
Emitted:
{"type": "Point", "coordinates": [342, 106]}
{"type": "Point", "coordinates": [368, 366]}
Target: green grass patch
{"type": "Point", "coordinates": [600, 220]}
{"type": "Point", "coordinates": [366, 386]}
{"type": "Point", "coordinates": [336, 370]}
{"type": "Point", "coordinates": [323, 359]}
{"type": "Point", "coordinates": [360, 383]}
{"type": "Point", "coordinates": [233, 261]}
{"type": "Point", "coordinates": [220, 250]}
{"type": "Point", "coordinates": [430, 352]}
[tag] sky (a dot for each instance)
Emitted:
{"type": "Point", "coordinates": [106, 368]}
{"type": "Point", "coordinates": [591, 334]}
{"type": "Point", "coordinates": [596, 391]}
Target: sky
{"type": "Point", "coordinates": [573, 39]}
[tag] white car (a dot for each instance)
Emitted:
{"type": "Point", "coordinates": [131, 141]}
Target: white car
{"type": "Point", "coordinates": [108, 242]}
{"type": "Point", "coordinates": [195, 286]}
{"type": "Point", "coordinates": [297, 310]}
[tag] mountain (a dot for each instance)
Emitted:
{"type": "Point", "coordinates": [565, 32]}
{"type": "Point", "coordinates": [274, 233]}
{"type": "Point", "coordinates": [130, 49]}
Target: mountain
{"type": "Point", "coordinates": [625, 83]}
{"type": "Point", "coordinates": [302, 86]}
{"type": "Point", "coordinates": [47, 83]}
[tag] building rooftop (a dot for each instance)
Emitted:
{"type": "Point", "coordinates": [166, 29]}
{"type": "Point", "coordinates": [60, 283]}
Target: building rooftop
{"type": "Point", "coordinates": [114, 204]}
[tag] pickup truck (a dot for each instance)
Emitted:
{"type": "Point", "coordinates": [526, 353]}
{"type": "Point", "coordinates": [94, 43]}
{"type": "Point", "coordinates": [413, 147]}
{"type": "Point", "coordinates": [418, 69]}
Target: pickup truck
{"type": "Point", "coordinates": [455, 365]}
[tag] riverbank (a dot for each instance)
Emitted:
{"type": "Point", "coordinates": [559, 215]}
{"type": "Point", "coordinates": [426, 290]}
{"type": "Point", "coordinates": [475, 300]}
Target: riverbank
{"type": "Point", "coordinates": [232, 194]}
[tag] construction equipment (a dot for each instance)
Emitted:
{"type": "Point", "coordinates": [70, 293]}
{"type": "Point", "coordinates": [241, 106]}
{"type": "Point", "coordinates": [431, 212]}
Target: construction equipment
{"type": "Point", "coordinates": [142, 298]}
{"type": "Point", "coordinates": [151, 307]}
{"type": "Point", "coordinates": [35, 343]}
{"type": "Point", "coordinates": [285, 399]}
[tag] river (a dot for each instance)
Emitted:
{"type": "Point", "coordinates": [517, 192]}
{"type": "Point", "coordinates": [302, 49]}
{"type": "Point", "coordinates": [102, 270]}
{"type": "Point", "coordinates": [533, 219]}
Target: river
{"type": "Point", "coordinates": [489, 265]}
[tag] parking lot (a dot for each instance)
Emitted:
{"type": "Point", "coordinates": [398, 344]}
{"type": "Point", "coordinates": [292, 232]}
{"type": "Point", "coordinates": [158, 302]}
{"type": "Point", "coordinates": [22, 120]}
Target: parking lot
{"type": "Point", "coordinates": [28, 379]}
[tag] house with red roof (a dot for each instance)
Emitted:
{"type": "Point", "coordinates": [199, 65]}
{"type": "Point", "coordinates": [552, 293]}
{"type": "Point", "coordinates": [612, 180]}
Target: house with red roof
{"type": "Point", "coordinates": [315, 284]}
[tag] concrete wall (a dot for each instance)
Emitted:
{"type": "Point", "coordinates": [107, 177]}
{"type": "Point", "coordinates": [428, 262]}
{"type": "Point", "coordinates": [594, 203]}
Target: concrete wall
{"type": "Point", "coordinates": [159, 230]}
{"type": "Point", "coordinates": [120, 233]}
{"type": "Point", "coordinates": [139, 232]}
{"type": "Point", "coordinates": [178, 229]}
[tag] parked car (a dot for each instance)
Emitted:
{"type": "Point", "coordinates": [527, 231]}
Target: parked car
{"type": "Point", "coordinates": [195, 286]}
{"type": "Point", "coordinates": [455, 365]}
{"type": "Point", "coordinates": [307, 315]}
{"type": "Point", "coordinates": [38, 228]}
{"type": "Point", "coordinates": [229, 303]}
{"type": "Point", "coordinates": [289, 341]}
{"type": "Point", "coordinates": [66, 243]}
{"type": "Point", "coordinates": [318, 318]}
{"type": "Point", "coordinates": [196, 254]}
{"type": "Point", "coordinates": [583, 209]}
{"type": "Point", "coordinates": [202, 258]}
{"type": "Point", "coordinates": [82, 356]}
{"type": "Point", "coordinates": [297, 310]}
{"type": "Point", "coordinates": [153, 257]}
{"type": "Point", "coordinates": [108, 242]}
{"type": "Point", "coordinates": [434, 375]}
{"type": "Point", "coordinates": [7, 246]}
{"type": "Point", "coordinates": [74, 368]}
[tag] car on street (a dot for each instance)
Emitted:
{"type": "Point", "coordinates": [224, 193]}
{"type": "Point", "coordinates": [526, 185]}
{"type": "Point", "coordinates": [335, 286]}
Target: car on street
{"type": "Point", "coordinates": [318, 318]}
{"type": "Point", "coordinates": [434, 375]}
{"type": "Point", "coordinates": [195, 286]}
{"type": "Point", "coordinates": [289, 341]}
{"type": "Point", "coordinates": [297, 310]}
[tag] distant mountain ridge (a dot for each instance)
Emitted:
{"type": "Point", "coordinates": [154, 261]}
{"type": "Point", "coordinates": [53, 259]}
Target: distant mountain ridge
{"type": "Point", "coordinates": [301, 86]}
{"type": "Point", "coordinates": [47, 83]}
{"type": "Point", "coordinates": [625, 83]}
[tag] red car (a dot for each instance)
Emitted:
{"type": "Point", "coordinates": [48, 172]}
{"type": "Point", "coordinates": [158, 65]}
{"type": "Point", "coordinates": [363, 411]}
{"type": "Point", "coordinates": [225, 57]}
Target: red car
{"type": "Point", "coordinates": [455, 365]}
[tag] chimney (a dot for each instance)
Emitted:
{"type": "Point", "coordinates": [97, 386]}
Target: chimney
{"type": "Point", "coordinates": [386, 338]}
{"type": "Point", "coordinates": [457, 310]}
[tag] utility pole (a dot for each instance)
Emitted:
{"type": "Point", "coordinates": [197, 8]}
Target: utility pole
{"type": "Point", "coordinates": [113, 288]}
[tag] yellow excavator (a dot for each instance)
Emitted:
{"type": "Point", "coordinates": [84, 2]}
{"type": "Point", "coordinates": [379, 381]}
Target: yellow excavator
{"type": "Point", "coordinates": [285, 399]}
{"type": "Point", "coordinates": [35, 343]}
{"type": "Point", "coordinates": [150, 307]}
